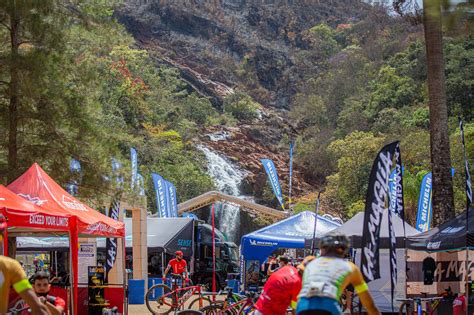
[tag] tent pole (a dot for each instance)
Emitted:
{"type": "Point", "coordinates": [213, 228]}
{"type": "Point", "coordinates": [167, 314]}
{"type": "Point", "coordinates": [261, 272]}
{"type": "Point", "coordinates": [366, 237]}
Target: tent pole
{"type": "Point", "coordinates": [74, 239]}
{"type": "Point", "coordinates": [125, 278]}
{"type": "Point", "coordinates": [315, 224]}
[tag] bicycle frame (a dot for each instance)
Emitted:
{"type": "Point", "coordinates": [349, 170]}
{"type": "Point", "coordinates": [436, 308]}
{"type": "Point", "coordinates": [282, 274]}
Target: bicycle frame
{"type": "Point", "coordinates": [178, 301]}
{"type": "Point", "coordinates": [242, 306]}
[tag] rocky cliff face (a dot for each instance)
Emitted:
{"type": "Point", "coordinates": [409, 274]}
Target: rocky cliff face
{"type": "Point", "coordinates": [253, 46]}
{"type": "Point", "coordinates": [250, 45]}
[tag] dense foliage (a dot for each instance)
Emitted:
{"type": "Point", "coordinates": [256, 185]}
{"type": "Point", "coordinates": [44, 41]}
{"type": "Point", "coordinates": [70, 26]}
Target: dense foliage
{"type": "Point", "coordinates": [86, 92]}
{"type": "Point", "coordinates": [370, 90]}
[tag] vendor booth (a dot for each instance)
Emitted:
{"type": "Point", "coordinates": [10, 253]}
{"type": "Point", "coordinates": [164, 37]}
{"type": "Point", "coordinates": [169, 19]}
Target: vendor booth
{"type": "Point", "coordinates": [448, 244]}
{"type": "Point", "coordinates": [50, 210]}
{"type": "Point", "coordinates": [380, 288]}
{"type": "Point", "coordinates": [288, 233]}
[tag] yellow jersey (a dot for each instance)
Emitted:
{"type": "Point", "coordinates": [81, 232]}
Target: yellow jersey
{"type": "Point", "coordinates": [11, 274]}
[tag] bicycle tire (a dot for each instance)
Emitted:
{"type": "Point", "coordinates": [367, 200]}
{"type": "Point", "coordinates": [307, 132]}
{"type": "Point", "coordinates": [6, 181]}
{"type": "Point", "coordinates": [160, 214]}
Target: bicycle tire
{"type": "Point", "coordinates": [205, 299]}
{"type": "Point", "coordinates": [160, 305]}
{"type": "Point", "coordinates": [405, 308]}
{"type": "Point", "coordinates": [213, 309]}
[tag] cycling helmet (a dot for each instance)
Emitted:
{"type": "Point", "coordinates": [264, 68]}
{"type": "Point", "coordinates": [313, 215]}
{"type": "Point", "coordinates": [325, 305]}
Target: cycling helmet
{"type": "Point", "coordinates": [335, 242]}
{"type": "Point", "coordinates": [178, 252]}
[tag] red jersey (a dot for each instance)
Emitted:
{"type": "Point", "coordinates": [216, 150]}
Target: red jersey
{"type": "Point", "coordinates": [55, 300]}
{"type": "Point", "coordinates": [459, 305]}
{"type": "Point", "coordinates": [280, 289]}
{"type": "Point", "coordinates": [177, 267]}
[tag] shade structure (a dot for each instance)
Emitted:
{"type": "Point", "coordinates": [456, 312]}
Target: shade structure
{"type": "Point", "coordinates": [39, 188]}
{"type": "Point", "coordinates": [449, 236]}
{"type": "Point", "coordinates": [23, 215]}
{"type": "Point", "coordinates": [354, 227]}
{"type": "Point", "coordinates": [36, 186]}
{"type": "Point", "coordinates": [288, 233]}
{"type": "Point", "coordinates": [164, 234]}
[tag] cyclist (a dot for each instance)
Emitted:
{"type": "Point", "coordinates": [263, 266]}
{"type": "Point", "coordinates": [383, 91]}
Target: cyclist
{"type": "Point", "coordinates": [12, 274]}
{"type": "Point", "coordinates": [326, 277]}
{"type": "Point", "coordinates": [280, 291]}
{"type": "Point", "coordinates": [41, 285]}
{"type": "Point", "coordinates": [178, 266]}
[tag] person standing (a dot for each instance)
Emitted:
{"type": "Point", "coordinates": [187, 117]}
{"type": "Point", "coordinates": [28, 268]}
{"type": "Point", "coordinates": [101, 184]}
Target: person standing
{"type": "Point", "coordinates": [41, 285]}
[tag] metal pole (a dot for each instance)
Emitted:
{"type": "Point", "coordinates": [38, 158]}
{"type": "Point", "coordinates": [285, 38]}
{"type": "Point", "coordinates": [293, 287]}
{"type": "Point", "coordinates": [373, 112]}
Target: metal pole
{"type": "Point", "coordinates": [290, 176]}
{"type": "Point", "coordinates": [315, 224]}
{"type": "Point", "coordinates": [213, 256]}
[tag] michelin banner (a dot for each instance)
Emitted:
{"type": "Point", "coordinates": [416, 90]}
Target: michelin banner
{"type": "Point", "coordinates": [273, 177]}
{"type": "Point", "coordinates": [425, 212]}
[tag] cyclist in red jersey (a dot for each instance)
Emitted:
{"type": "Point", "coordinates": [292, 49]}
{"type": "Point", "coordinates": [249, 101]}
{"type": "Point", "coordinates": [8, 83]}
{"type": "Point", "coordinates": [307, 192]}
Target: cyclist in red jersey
{"type": "Point", "coordinates": [281, 290]}
{"type": "Point", "coordinates": [178, 266]}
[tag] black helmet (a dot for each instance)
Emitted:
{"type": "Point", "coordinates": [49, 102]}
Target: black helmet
{"type": "Point", "coordinates": [334, 240]}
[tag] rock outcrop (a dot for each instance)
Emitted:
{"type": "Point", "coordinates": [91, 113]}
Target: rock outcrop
{"type": "Point", "coordinates": [245, 44]}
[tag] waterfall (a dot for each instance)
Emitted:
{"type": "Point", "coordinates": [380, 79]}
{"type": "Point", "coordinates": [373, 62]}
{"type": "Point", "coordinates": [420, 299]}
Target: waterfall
{"type": "Point", "coordinates": [227, 178]}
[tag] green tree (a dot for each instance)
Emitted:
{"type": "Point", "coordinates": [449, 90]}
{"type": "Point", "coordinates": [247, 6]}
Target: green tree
{"type": "Point", "coordinates": [241, 106]}
{"type": "Point", "coordinates": [355, 155]}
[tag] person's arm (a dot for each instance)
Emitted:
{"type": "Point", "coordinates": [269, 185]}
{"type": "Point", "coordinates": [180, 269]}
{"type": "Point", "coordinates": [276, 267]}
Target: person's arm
{"type": "Point", "coordinates": [166, 271]}
{"type": "Point", "coordinates": [186, 271]}
{"type": "Point", "coordinates": [362, 290]}
{"type": "Point", "coordinates": [30, 298]}
{"type": "Point", "coordinates": [53, 309]}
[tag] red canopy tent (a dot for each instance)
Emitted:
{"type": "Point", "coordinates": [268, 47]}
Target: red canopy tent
{"type": "Point", "coordinates": [22, 215]}
{"type": "Point", "coordinates": [36, 186]}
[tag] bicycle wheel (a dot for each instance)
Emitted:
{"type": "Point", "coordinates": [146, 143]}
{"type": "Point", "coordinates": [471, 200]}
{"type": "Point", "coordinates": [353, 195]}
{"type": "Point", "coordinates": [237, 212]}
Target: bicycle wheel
{"type": "Point", "coordinates": [194, 305]}
{"type": "Point", "coordinates": [405, 308]}
{"type": "Point", "coordinates": [213, 309]}
{"type": "Point", "coordinates": [162, 304]}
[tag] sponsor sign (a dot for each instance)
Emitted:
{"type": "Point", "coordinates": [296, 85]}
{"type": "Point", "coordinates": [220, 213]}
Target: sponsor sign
{"type": "Point", "coordinates": [375, 205]}
{"type": "Point", "coordinates": [273, 178]}
{"type": "Point", "coordinates": [87, 256]}
{"type": "Point", "coordinates": [48, 220]}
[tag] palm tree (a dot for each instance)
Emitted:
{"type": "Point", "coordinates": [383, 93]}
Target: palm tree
{"type": "Point", "coordinates": [443, 200]}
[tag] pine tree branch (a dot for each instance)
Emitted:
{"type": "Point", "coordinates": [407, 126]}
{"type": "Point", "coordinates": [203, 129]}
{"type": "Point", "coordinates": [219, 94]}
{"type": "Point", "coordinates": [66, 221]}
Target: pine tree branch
{"type": "Point", "coordinates": [5, 25]}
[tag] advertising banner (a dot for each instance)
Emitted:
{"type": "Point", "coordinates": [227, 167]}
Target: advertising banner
{"type": "Point", "coordinates": [134, 160]}
{"type": "Point", "coordinates": [161, 196]}
{"type": "Point", "coordinates": [377, 194]}
{"type": "Point", "coordinates": [273, 178]}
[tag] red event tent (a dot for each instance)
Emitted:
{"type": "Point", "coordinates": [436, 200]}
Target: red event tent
{"type": "Point", "coordinates": [36, 186]}
{"type": "Point", "coordinates": [23, 214]}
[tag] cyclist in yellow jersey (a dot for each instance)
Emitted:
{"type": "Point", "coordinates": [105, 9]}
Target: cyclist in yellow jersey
{"type": "Point", "coordinates": [326, 277]}
{"type": "Point", "coordinates": [12, 274]}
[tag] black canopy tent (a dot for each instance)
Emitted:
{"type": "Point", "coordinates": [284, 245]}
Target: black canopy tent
{"type": "Point", "coordinates": [353, 228]}
{"type": "Point", "coordinates": [449, 236]}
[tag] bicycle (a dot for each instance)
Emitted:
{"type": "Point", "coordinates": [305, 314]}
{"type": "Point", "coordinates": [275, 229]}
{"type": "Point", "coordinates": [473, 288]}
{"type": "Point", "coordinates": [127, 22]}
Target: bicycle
{"type": "Point", "coordinates": [415, 305]}
{"type": "Point", "coordinates": [174, 298]}
{"type": "Point", "coordinates": [234, 304]}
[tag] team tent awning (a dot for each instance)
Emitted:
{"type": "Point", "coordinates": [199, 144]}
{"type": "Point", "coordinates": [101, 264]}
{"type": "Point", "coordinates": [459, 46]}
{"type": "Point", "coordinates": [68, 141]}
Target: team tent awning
{"type": "Point", "coordinates": [22, 215]}
{"type": "Point", "coordinates": [164, 234]}
{"type": "Point", "coordinates": [36, 186]}
{"type": "Point", "coordinates": [353, 229]}
{"type": "Point", "coordinates": [449, 236]}
{"type": "Point", "coordinates": [288, 233]}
